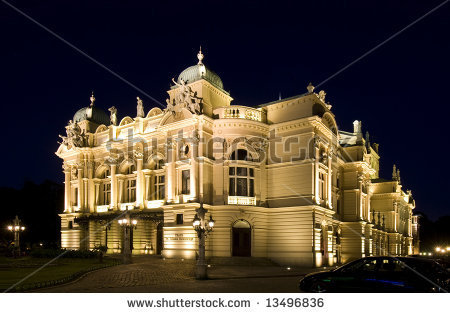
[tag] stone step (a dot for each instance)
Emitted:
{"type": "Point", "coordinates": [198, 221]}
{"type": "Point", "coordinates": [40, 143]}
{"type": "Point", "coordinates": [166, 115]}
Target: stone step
{"type": "Point", "coordinates": [241, 261]}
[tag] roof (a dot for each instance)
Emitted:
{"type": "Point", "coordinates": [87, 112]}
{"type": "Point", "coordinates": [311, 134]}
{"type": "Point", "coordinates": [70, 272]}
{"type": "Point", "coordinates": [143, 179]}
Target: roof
{"type": "Point", "coordinates": [92, 114]}
{"type": "Point", "coordinates": [282, 100]}
{"type": "Point", "coordinates": [200, 71]}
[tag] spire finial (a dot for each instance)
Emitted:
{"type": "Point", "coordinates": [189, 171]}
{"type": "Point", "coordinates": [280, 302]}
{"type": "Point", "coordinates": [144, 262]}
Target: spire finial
{"type": "Point", "coordinates": [394, 172]}
{"type": "Point", "coordinates": [200, 56]}
{"type": "Point", "coordinates": [92, 98]}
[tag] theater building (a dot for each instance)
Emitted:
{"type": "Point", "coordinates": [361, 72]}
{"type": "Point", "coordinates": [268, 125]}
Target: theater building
{"type": "Point", "coordinates": [280, 180]}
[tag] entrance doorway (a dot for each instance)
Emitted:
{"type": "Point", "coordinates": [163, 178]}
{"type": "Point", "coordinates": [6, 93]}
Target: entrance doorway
{"type": "Point", "coordinates": [159, 238]}
{"type": "Point", "coordinates": [241, 239]}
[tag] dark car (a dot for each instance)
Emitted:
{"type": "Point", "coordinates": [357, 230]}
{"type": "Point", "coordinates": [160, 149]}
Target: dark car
{"type": "Point", "coordinates": [380, 274]}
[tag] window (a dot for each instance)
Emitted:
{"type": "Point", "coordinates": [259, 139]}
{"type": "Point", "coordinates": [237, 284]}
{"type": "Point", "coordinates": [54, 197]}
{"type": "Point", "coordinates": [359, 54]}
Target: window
{"type": "Point", "coordinates": [75, 196]}
{"type": "Point", "coordinates": [321, 186]}
{"type": "Point", "coordinates": [159, 164]}
{"type": "Point", "coordinates": [186, 182]}
{"type": "Point", "coordinates": [70, 225]}
{"type": "Point", "coordinates": [106, 173]}
{"type": "Point", "coordinates": [131, 190]}
{"type": "Point", "coordinates": [159, 187]}
{"type": "Point", "coordinates": [106, 193]}
{"type": "Point", "coordinates": [179, 219]}
{"type": "Point", "coordinates": [131, 169]}
{"type": "Point", "coordinates": [240, 154]}
{"type": "Point", "coordinates": [242, 182]}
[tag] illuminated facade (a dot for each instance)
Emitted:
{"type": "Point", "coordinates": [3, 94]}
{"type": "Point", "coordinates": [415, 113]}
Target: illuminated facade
{"type": "Point", "coordinates": [280, 180]}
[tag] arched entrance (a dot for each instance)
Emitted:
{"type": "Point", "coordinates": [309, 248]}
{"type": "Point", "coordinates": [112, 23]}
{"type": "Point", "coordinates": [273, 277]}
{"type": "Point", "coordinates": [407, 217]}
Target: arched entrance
{"type": "Point", "coordinates": [159, 238]}
{"type": "Point", "coordinates": [241, 239]}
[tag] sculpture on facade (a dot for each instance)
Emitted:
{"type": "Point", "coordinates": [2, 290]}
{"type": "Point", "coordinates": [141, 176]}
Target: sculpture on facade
{"type": "Point", "coordinates": [140, 108]}
{"type": "Point", "coordinates": [184, 98]}
{"type": "Point", "coordinates": [113, 116]}
{"type": "Point", "coordinates": [75, 136]}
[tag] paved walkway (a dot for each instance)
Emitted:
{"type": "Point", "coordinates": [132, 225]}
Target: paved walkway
{"type": "Point", "coordinates": [154, 274]}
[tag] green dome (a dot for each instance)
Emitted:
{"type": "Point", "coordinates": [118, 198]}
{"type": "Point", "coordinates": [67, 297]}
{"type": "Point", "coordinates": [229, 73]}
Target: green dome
{"type": "Point", "coordinates": [200, 71]}
{"type": "Point", "coordinates": [92, 114]}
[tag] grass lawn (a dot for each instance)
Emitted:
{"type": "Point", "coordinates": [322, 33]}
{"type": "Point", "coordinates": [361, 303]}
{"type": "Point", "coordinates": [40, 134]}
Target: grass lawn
{"type": "Point", "coordinates": [13, 270]}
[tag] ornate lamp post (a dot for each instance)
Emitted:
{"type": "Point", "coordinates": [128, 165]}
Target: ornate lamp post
{"type": "Point", "coordinates": [16, 228]}
{"type": "Point", "coordinates": [128, 224]}
{"type": "Point", "coordinates": [203, 228]}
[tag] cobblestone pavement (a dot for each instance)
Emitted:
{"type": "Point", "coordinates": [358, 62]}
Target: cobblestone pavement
{"type": "Point", "coordinates": [145, 271]}
{"type": "Point", "coordinates": [154, 274]}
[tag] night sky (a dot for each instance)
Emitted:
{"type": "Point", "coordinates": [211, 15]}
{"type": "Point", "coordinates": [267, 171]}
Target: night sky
{"type": "Point", "coordinates": [259, 50]}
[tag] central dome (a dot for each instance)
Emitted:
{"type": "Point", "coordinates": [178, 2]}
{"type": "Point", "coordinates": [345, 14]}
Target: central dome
{"type": "Point", "coordinates": [92, 114]}
{"type": "Point", "coordinates": [200, 71]}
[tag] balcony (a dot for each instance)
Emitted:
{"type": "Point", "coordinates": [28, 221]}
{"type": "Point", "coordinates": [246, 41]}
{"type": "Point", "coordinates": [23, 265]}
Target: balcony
{"type": "Point", "coordinates": [242, 112]}
{"type": "Point", "coordinates": [102, 208]}
{"type": "Point", "coordinates": [127, 206]}
{"type": "Point", "coordinates": [154, 204]}
{"type": "Point", "coordinates": [239, 200]}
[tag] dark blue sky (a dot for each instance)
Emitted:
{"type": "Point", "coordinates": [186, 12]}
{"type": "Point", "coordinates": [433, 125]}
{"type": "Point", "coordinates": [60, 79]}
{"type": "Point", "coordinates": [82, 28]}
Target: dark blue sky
{"type": "Point", "coordinates": [259, 50]}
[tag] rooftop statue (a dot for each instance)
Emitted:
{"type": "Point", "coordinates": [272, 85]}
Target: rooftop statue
{"type": "Point", "coordinates": [75, 136]}
{"type": "Point", "coordinates": [140, 108]}
{"type": "Point", "coordinates": [184, 98]}
{"type": "Point", "coordinates": [113, 116]}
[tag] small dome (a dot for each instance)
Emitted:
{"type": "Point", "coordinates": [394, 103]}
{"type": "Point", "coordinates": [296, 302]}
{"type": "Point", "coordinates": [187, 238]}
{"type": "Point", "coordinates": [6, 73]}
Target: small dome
{"type": "Point", "coordinates": [200, 71]}
{"type": "Point", "coordinates": [92, 114]}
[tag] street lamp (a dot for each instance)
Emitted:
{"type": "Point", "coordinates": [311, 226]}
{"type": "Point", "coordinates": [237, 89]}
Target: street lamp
{"type": "Point", "coordinates": [16, 228]}
{"type": "Point", "coordinates": [127, 224]}
{"type": "Point", "coordinates": [203, 228]}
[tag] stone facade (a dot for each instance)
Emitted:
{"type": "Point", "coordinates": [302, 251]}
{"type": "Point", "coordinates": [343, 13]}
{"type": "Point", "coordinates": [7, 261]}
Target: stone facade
{"type": "Point", "coordinates": [280, 180]}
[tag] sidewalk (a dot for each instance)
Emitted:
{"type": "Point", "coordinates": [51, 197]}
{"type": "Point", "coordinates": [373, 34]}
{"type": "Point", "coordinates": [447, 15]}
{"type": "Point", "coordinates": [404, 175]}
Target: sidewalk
{"type": "Point", "coordinates": [233, 272]}
{"type": "Point", "coordinates": [155, 274]}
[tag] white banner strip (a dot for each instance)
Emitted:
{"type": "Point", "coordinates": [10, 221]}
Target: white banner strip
{"type": "Point", "coordinates": [229, 302]}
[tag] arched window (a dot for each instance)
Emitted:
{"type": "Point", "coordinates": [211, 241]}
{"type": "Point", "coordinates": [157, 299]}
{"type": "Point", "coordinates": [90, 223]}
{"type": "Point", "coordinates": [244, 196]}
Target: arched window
{"type": "Point", "coordinates": [241, 175]}
{"type": "Point", "coordinates": [240, 154]}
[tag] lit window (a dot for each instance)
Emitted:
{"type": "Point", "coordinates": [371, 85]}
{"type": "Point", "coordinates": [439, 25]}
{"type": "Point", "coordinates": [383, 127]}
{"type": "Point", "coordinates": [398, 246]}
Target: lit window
{"type": "Point", "coordinates": [106, 193]}
{"type": "Point", "coordinates": [131, 190]}
{"type": "Point", "coordinates": [242, 182]}
{"type": "Point", "coordinates": [321, 186]}
{"type": "Point", "coordinates": [159, 164]}
{"type": "Point", "coordinates": [186, 182]}
{"type": "Point", "coordinates": [159, 187]}
{"type": "Point", "coordinates": [131, 169]}
{"type": "Point", "coordinates": [75, 196]}
{"type": "Point", "coordinates": [106, 173]}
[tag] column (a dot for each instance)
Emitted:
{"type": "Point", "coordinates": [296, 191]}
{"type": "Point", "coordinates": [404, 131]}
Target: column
{"type": "Point", "coordinates": [316, 171]}
{"type": "Point", "coordinates": [139, 181]}
{"type": "Point", "coordinates": [92, 192]}
{"type": "Point", "coordinates": [196, 169]}
{"type": "Point", "coordinates": [329, 181]}
{"type": "Point", "coordinates": [67, 204]}
{"type": "Point", "coordinates": [113, 185]}
{"type": "Point", "coordinates": [120, 181]}
{"type": "Point", "coordinates": [360, 202]}
{"type": "Point", "coordinates": [85, 195]}
{"type": "Point", "coordinates": [80, 188]}
{"type": "Point", "coordinates": [171, 173]}
{"type": "Point", "coordinates": [96, 194]}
